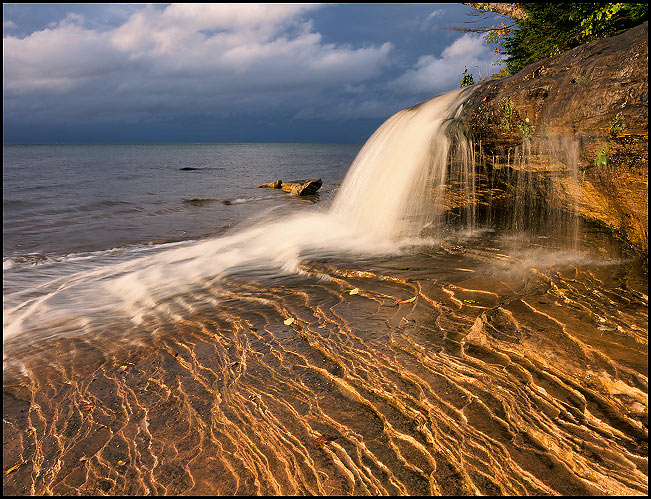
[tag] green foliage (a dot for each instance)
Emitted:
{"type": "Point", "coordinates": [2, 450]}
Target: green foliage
{"type": "Point", "coordinates": [552, 28]}
{"type": "Point", "coordinates": [617, 125]}
{"type": "Point", "coordinates": [506, 107]}
{"type": "Point", "coordinates": [545, 130]}
{"type": "Point", "coordinates": [527, 129]}
{"type": "Point", "coordinates": [503, 72]}
{"type": "Point", "coordinates": [583, 79]}
{"type": "Point", "coordinates": [466, 79]}
{"type": "Point", "coordinates": [602, 157]}
{"type": "Point", "coordinates": [634, 160]}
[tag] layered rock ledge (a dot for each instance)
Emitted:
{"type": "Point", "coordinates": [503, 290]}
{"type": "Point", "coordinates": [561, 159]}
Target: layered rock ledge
{"type": "Point", "coordinates": [593, 98]}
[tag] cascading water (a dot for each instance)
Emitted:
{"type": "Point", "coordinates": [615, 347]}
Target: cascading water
{"type": "Point", "coordinates": [416, 168]}
{"type": "Point", "coordinates": [396, 184]}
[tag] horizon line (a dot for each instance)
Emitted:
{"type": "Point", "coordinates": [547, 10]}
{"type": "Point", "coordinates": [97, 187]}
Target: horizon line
{"type": "Point", "coordinates": [144, 142]}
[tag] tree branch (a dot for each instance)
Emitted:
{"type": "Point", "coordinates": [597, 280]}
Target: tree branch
{"type": "Point", "coordinates": [476, 30]}
{"type": "Point", "coordinates": [506, 9]}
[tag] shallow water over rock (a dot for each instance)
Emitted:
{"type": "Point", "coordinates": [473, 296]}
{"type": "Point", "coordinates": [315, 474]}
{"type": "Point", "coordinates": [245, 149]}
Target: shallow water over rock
{"type": "Point", "coordinates": [459, 368]}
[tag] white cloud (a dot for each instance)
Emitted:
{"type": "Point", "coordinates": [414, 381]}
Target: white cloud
{"type": "Point", "coordinates": [233, 16]}
{"type": "Point", "coordinates": [217, 60]}
{"type": "Point", "coordinates": [434, 13]}
{"type": "Point", "coordinates": [188, 56]}
{"type": "Point", "coordinates": [57, 59]}
{"type": "Point", "coordinates": [426, 23]}
{"type": "Point", "coordinates": [433, 74]}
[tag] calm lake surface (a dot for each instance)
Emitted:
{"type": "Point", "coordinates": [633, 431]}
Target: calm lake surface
{"type": "Point", "coordinates": [169, 328]}
{"type": "Point", "coordinates": [62, 199]}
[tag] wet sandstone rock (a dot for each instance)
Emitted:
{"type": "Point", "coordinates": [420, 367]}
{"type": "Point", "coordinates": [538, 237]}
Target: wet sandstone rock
{"type": "Point", "coordinates": [593, 97]}
{"type": "Point", "coordinates": [272, 185]}
{"type": "Point", "coordinates": [303, 187]}
{"type": "Point", "coordinates": [298, 187]}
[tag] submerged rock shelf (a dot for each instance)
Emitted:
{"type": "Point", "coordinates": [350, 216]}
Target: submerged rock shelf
{"type": "Point", "coordinates": [467, 372]}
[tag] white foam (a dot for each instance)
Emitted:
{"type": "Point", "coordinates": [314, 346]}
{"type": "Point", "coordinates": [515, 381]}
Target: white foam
{"type": "Point", "coordinates": [143, 283]}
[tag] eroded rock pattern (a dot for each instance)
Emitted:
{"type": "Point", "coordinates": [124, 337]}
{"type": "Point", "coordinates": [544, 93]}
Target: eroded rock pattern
{"type": "Point", "coordinates": [448, 371]}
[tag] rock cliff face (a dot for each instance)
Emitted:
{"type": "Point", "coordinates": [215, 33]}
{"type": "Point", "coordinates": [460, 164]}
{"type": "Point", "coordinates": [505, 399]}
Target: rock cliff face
{"type": "Point", "coordinates": [584, 113]}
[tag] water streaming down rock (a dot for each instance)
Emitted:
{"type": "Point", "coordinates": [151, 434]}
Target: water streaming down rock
{"type": "Point", "coordinates": [415, 177]}
{"type": "Point", "coordinates": [397, 183]}
{"type": "Point", "coordinates": [418, 175]}
{"type": "Point", "coordinates": [532, 194]}
{"type": "Point", "coordinates": [593, 98]}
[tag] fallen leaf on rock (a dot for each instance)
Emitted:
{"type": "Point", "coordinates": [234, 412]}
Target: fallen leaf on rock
{"type": "Point", "coordinates": [470, 301]}
{"type": "Point", "coordinates": [13, 468]}
{"type": "Point", "coordinates": [120, 462]}
{"type": "Point", "coordinates": [354, 291]}
{"type": "Point", "coordinates": [289, 322]}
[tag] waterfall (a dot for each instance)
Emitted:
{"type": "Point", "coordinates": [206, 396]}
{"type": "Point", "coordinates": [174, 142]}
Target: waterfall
{"type": "Point", "coordinates": [396, 185]}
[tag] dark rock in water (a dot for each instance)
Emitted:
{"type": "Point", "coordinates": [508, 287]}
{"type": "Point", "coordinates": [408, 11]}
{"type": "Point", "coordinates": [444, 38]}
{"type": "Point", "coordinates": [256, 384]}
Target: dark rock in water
{"type": "Point", "coordinates": [198, 201]}
{"type": "Point", "coordinates": [273, 185]}
{"type": "Point", "coordinates": [188, 168]}
{"type": "Point", "coordinates": [32, 259]}
{"type": "Point", "coordinates": [593, 98]}
{"type": "Point", "coordinates": [303, 187]}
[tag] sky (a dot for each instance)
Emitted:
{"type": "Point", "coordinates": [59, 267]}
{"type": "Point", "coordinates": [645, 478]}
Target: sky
{"type": "Point", "coordinates": [77, 73]}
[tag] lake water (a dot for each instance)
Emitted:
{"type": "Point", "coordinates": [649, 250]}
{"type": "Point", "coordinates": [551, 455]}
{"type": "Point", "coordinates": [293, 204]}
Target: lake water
{"type": "Point", "coordinates": [172, 329]}
{"type": "Point", "coordinates": [61, 199]}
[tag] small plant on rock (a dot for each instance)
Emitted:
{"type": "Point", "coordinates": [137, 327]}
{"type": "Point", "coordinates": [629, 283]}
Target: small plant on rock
{"type": "Point", "coordinates": [526, 128]}
{"type": "Point", "coordinates": [506, 107]}
{"type": "Point", "coordinates": [466, 79]}
{"type": "Point", "coordinates": [617, 125]}
{"type": "Point", "coordinates": [602, 157]}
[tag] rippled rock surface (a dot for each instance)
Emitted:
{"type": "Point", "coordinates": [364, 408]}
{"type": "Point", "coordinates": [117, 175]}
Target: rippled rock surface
{"type": "Point", "coordinates": [458, 369]}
